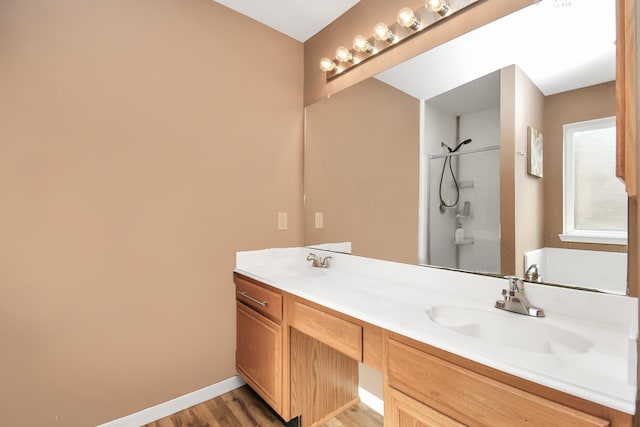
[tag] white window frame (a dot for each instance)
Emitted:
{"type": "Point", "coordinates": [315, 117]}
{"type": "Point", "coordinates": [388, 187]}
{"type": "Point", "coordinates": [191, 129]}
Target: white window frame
{"type": "Point", "coordinates": [571, 234]}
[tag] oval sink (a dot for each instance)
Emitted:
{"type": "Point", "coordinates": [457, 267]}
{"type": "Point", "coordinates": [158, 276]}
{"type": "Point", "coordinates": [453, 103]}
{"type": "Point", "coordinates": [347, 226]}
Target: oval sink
{"type": "Point", "coordinates": [301, 271]}
{"type": "Point", "coordinates": [514, 330]}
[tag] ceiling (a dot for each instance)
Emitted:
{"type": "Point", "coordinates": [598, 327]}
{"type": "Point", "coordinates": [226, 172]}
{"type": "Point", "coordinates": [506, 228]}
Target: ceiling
{"type": "Point", "coordinates": [559, 48]}
{"type": "Point", "coordinates": [299, 19]}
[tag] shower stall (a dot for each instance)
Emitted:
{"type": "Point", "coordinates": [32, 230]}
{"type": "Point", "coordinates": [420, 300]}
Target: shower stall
{"type": "Point", "coordinates": [461, 188]}
{"type": "Point", "coordinates": [464, 209]}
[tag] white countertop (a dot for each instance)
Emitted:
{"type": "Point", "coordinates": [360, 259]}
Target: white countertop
{"type": "Point", "coordinates": [398, 297]}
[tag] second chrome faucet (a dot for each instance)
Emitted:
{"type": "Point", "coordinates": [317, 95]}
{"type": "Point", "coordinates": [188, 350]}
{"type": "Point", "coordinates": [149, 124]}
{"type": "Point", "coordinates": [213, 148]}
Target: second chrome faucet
{"type": "Point", "coordinates": [317, 261]}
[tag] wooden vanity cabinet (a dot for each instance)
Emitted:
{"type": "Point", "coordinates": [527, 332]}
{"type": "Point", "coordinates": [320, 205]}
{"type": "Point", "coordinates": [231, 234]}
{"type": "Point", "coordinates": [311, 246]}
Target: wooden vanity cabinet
{"type": "Point", "coordinates": [302, 359]}
{"type": "Point", "coordinates": [425, 386]}
{"type": "Point", "coordinates": [262, 342]}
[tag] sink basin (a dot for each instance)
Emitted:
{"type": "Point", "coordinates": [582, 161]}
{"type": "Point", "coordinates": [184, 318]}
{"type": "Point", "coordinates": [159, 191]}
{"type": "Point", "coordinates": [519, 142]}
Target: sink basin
{"type": "Point", "coordinates": [509, 330]}
{"type": "Point", "coordinates": [304, 271]}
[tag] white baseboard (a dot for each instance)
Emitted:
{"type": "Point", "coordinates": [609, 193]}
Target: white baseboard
{"type": "Point", "coordinates": [371, 400]}
{"type": "Point", "coordinates": [178, 404]}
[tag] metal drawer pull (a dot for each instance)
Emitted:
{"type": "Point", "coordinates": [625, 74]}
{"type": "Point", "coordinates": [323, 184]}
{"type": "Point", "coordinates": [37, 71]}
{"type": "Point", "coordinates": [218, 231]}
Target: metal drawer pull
{"type": "Point", "coordinates": [244, 294]}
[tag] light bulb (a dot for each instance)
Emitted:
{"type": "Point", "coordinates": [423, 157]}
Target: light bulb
{"type": "Point", "coordinates": [381, 32]}
{"type": "Point", "coordinates": [361, 44]}
{"type": "Point", "coordinates": [343, 54]}
{"type": "Point", "coordinates": [441, 7]}
{"type": "Point", "coordinates": [327, 65]}
{"type": "Point", "coordinates": [408, 19]}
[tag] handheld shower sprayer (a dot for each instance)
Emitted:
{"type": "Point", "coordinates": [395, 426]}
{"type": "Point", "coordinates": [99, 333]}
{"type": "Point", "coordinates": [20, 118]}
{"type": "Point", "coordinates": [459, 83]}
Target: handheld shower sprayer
{"type": "Point", "coordinates": [453, 150]}
{"type": "Point", "coordinates": [466, 141]}
{"type": "Point", "coordinates": [443, 204]}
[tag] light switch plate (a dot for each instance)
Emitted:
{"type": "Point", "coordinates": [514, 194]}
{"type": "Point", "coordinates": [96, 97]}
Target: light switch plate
{"type": "Point", "coordinates": [282, 221]}
{"type": "Point", "coordinates": [319, 220]}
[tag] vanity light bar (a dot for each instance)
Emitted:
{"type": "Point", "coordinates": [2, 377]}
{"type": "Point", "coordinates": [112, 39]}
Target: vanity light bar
{"type": "Point", "coordinates": [409, 22]}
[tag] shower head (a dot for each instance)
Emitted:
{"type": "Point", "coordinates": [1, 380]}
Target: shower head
{"type": "Point", "coordinates": [466, 141]}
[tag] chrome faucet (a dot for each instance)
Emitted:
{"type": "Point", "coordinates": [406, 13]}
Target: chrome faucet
{"type": "Point", "coordinates": [317, 261]}
{"type": "Point", "coordinates": [532, 274]}
{"type": "Point", "coordinates": [516, 301]}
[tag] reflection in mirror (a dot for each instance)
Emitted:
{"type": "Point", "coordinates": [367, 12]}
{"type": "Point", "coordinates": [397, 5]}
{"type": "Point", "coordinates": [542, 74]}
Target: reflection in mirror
{"type": "Point", "coordinates": [362, 171]}
{"type": "Point", "coordinates": [375, 153]}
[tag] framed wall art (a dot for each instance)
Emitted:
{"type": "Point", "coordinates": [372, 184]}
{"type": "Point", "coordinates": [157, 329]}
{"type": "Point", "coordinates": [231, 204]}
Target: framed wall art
{"type": "Point", "coordinates": [534, 152]}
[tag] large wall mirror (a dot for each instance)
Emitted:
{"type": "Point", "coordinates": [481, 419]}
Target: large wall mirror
{"type": "Point", "coordinates": [456, 158]}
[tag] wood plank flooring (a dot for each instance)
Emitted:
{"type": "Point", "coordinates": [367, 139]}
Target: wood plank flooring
{"type": "Point", "coordinates": [242, 407]}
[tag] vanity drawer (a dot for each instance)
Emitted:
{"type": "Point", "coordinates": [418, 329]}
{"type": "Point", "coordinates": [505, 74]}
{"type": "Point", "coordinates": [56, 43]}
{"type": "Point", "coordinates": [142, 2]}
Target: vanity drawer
{"type": "Point", "coordinates": [263, 299]}
{"type": "Point", "coordinates": [402, 411]}
{"type": "Point", "coordinates": [471, 398]}
{"type": "Point", "coordinates": [338, 333]}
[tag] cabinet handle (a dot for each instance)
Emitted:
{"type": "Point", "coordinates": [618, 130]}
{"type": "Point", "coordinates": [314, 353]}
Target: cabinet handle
{"type": "Point", "coordinates": [244, 294]}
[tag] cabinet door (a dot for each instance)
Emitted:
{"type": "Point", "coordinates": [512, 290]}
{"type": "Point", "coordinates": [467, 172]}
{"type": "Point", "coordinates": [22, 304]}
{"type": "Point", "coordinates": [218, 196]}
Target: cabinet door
{"type": "Point", "coordinates": [626, 103]}
{"type": "Point", "coordinates": [404, 411]}
{"type": "Point", "coordinates": [259, 354]}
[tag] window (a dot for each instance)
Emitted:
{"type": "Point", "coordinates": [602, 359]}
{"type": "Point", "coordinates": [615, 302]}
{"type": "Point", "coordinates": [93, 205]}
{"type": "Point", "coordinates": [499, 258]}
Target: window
{"type": "Point", "coordinates": [595, 201]}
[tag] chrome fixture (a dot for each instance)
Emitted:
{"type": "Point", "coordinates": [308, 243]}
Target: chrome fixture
{"type": "Point", "coordinates": [408, 23]}
{"type": "Point", "coordinates": [317, 261]}
{"type": "Point", "coordinates": [516, 301]}
{"type": "Point", "coordinates": [532, 274]}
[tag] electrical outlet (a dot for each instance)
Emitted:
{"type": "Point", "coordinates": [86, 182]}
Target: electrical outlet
{"type": "Point", "coordinates": [319, 220]}
{"type": "Point", "coordinates": [282, 221]}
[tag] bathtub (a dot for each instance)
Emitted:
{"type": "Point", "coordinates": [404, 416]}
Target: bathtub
{"type": "Point", "coordinates": [604, 271]}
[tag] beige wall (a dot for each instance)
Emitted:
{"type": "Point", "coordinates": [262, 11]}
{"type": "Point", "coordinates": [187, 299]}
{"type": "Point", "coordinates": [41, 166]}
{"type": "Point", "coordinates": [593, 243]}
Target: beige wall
{"type": "Point", "coordinates": [521, 195]}
{"type": "Point", "coordinates": [363, 174]}
{"type": "Point", "coordinates": [529, 194]}
{"type": "Point", "coordinates": [569, 107]}
{"type": "Point", "coordinates": [142, 143]}
{"type": "Point", "coordinates": [507, 173]}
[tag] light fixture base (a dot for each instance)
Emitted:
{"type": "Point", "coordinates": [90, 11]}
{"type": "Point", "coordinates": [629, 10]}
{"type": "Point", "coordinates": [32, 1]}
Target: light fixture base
{"type": "Point", "coordinates": [424, 18]}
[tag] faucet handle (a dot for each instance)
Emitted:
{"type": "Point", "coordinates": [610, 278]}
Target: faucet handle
{"type": "Point", "coordinates": [515, 299]}
{"type": "Point", "coordinates": [533, 274]}
{"type": "Point", "coordinates": [515, 284]}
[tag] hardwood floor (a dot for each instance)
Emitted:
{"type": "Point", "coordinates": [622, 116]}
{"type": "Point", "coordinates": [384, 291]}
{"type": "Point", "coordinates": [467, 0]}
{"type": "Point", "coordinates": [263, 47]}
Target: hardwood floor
{"type": "Point", "coordinates": [242, 407]}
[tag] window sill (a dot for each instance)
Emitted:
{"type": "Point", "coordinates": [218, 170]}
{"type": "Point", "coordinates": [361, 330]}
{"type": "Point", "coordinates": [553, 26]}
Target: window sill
{"type": "Point", "coordinates": [600, 238]}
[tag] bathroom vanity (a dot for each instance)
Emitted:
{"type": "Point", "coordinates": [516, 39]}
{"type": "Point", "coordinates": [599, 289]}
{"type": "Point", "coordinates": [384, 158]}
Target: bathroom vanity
{"type": "Point", "coordinates": [447, 356]}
